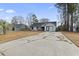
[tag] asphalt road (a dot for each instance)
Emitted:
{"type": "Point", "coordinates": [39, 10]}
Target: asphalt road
{"type": "Point", "coordinates": [43, 44]}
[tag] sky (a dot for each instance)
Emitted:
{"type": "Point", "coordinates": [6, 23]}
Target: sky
{"type": "Point", "coordinates": [41, 10]}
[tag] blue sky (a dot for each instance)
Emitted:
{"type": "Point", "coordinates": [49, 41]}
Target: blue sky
{"type": "Point", "coordinates": [42, 10]}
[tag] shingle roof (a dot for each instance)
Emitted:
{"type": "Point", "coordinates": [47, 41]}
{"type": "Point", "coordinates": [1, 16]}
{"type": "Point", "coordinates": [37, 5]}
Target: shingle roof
{"type": "Point", "coordinates": [42, 24]}
{"type": "Point", "coordinates": [20, 26]}
{"type": "Point", "coordinates": [37, 24]}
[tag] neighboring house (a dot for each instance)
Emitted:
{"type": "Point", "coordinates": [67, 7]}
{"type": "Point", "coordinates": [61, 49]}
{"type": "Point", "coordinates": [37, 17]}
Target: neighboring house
{"type": "Point", "coordinates": [19, 27]}
{"type": "Point", "coordinates": [44, 26]}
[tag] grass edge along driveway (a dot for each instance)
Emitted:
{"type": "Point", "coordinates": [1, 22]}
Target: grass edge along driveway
{"type": "Point", "coordinates": [72, 36]}
{"type": "Point", "coordinates": [16, 35]}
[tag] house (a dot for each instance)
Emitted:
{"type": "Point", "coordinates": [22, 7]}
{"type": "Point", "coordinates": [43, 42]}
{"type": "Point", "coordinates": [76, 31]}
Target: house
{"type": "Point", "coordinates": [19, 27]}
{"type": "Point", "coordinates": [44, 26]}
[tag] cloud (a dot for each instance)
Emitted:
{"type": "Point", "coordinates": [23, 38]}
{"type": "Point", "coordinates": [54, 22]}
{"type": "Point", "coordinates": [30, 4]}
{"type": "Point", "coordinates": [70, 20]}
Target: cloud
{"type": "Point", "coordinates": [10, 11]}
{"type": "Point", "coordinates": [50, 7]}
{"type": "Point", "coordinates": [7, 11]}
{"type": "Point", "coordinates": [1, 10]}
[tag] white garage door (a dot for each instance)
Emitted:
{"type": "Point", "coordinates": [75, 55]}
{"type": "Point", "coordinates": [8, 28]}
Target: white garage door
{"type": "Point", "coordinates": [50, 28]}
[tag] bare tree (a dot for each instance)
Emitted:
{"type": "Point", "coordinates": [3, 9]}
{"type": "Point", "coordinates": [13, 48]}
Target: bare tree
{"type": "Point", "coordinates": [18, 20]}
{"type": "Point", "coordinates": [68, 10]}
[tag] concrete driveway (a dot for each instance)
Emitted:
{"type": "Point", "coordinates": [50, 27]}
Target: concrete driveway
{"type": "Point", "coordinates": [43, 44]}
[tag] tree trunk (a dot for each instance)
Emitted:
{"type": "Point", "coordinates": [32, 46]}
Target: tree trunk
{"type": "Point", "coordinates": [67, 21]}
{"type": "Point", "coordinates": [67, 14]}
{"type": "Point", "coordinates": [71, 27]}
{"type": "Point", "coordinates": [65, 17]}
{"type": "Point", "coordinates": [4, 30]}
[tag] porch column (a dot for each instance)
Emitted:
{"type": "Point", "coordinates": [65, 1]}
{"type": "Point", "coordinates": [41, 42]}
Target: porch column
{"type": "Point", "coordinates": [45, 28]}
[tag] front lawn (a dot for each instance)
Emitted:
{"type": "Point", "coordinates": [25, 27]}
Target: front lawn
{"type": "Point", "coordinates": [73, 36]}
{"type": "Point", "coordinates": [15, 35]}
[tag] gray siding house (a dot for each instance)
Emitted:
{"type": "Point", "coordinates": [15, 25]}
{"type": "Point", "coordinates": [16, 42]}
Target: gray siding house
{"type": "Point", "coordinates": [19, 27]}
{"type": "Point", "coordinates": [44, 26]}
